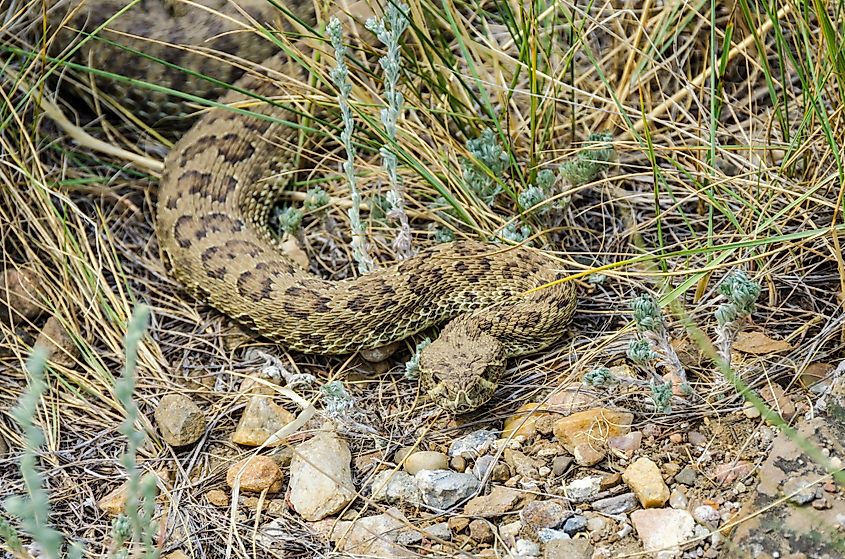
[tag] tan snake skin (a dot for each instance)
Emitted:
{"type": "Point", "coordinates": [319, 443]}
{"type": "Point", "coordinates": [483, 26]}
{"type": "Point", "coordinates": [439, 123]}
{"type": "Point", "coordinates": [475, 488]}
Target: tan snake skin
{"type": "Point", "coordinates": [214, 204]}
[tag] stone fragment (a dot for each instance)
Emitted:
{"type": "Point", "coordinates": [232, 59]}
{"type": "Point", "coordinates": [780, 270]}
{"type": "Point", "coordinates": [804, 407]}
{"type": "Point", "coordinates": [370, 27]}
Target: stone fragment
{"type": "Point", "coordinates": [255, 474]}
{"type": "Point", "coordinates": [395, 488]}
{"type": "Point", "coordinates": [443, 489]}
{"type": "Point", "coordinates": [61, 349]}
{"type": "Point", "coordinates": [686, 476]}
{"type": "Point", "coordinates": [585, 434]}
{"type": "Point", "coordinates": [544, 514]}
{"type": "Point", "coordinates": [473, 445]}
{"type": "Point", "coordinates": [458, 463]}
{"type": "Point", "coordinates": [618, 504]}
{"type": "Point", "coordinates": [372, 536]}
{"type": "Point", "coordinates": [382, 353]}
{"type": "Point", "coordinates": [458, 523]}
{"type": "Point", "coordinates": [644, 479]}
{"type": "Point", "coordinates": [321, 477]}
{"type": "Point", "coordinates": [425, 460]}
{"type": "Point", "coordinates": [259, 383]}
{"type": "Point", "coordinates": [560, 465]}
{"type": "Point", "coordinates": [260, 420]}
{"type": "Point", "coordinates": [624, 446]}
{"type": "Point", "coordinates": [707, 515]}
{"type": "Point", "coordinates": [583, 489]}
{"type": "Point", "coordinates": [481, 531]}
{"type": "Point", "coordinates": [500, 501]}
{"type": "Point", "coordinates": [578, 548]}
{"type": "Point", "coordinates": [799, 491]}
{"type": "Point", "coordinates": [729, 472]}
{"type": "Point", "coordinates": [522, 464]}
{"type": "Point", "coordinates": [19, 294]}
{"type": "Point", "coordinates": [483, 465]}
{"type": "Point", "coordinates": [678, 500]}
{"type": "Point", "coordinates": [526, 548]}
{"type": "Point", "coordinates": [576, 523]}
{"type": "Point", "coordinates": [217, 497]}
{"type": "Point", "coordinates": [114, 502]}
{"type": "Point", "coordinates": [663, 529]}
{"type": "Point", "coordinates": [179, 420]}
{"type": "Point", "coordinates": [523, 422]}
{"type": "Point", "coordinates": [586, 454]}
{"type": "Point", "coordinates": [438, 531]}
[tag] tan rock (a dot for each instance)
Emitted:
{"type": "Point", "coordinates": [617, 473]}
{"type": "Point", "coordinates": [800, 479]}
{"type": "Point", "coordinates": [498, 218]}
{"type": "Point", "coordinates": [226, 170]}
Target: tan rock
{"type": "Point", "coordinates": [60, 346]}
{"type": "Point", "coordinates": [259, 384]}
{"type": "Point", "coordinates": [218, 498]}
{"type": "Point", "coordinates": [260, 420]}
{"type": "Point", "coordinates": [382, 353]}
{"type": "Point", "coordinates": [586, 454]}
{"type": "Point", "coordinates": [114, 503]}
{"type": "Point", "coordinates": [19, 295]}
{"type": "Point", "coordinates": [426, 460]}
{"type": "Point", "coordinates": [321, 477]}
{"type": "Point", "coordinates": [255, 474]}
{"type": "Point", "coordinates": [481, 531]}
{"type": "Point", "coordinates": [593, 428]}
{"type": "Point", "coordinates": [179, 420]}
{"type": "Point", "coordinates": [523, 421]}
{"type": "Point", "coordinates": [644, 479]}
{"type": "Point", "coordinates": [501, 500]}
{"type": "Point", "coordinates": [372, 536]}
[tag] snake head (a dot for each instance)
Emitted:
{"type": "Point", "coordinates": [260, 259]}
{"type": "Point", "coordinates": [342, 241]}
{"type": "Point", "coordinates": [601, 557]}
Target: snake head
{"type": "Point", "coordinates": [460, 371]}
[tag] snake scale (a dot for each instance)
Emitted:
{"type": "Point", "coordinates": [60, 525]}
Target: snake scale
{"type": "Point", "coordinates": [220, 182]}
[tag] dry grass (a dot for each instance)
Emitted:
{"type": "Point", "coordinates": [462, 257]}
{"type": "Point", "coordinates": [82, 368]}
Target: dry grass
{"type": "Point", "coordinates": [750, 178]}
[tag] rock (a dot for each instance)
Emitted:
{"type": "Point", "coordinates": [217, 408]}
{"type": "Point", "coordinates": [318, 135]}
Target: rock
{"type": "Point", "coordinates": [778, 401]}
{"type": "Point", "coordinates": [443, 489]}
{"type": "Point", "coordinates": [259, 383]}
{"type": "Point", "coordinates": [372, 536]}
{"type": "Point", "coordinates": [260, 420]}
{"type": "Point", "coordinates": [526, 548]}
{"type": "Point", "coordinates": [509, 531]}
{"type": "Point", "coordinates": [400, 455]}
{"type": "Point", "coordinates": [610, 480]}
{"type": "Point", "coordinates": [644, 479]}
{"type": "Point", "coordinates": [320, 477]}
{"type": "Point", "coordinates": [114, 503]}
{"type": "Point", "coordinates": [624, 446]}
{"type": "Point", "coordinates": [473, 445]}
{"type": "Point", "coordinates": [750, 410]}
{"type": "Point", "coordinates": [379, 354]}
{"type": "Point", "coordinates": [585, 434]}
{"type": "Point", "coordinates": [663, 529]}
{"type": "Point", "coordinates": [548, 534]}
{"type": "Point", "coordinates": [61, 349]}
{"type": "Point", "coordinates": [500, 501]}
{"type": "Point", "coordinates": [578, 548]}
{"type": "Point", "coordinates": [218, 498]}
{"type": "Point", "coordinates": [538, 515]}
{"type": "Point", "coordinates": [522, 464]}
{"type": "Point", "coordinates": [481, 531]}
{"type": "Point", "coordinates": [179, 420]}
{"type": "Point", "coordinates": [483, 465]}
{"type": "Point", "coordinates": [178, 554]}
{"type": "Point", "coordinates": [686, 476]}
{"type": "Point", "coordinates": [255, 474]}
{"type": "Point", "coordinates": [409, 537]}
{"type": "Point", "coordinates": [576, 523]}
{"type": "Point", "coordinates": [439, 531]}
{"type": "Point", "coordinates": [619, 504]}
{"type": "Point", "coordinates": [678, 500]}
{"type": "Point", "coordinates": [560, 465]}
{"type": "Point", "coordinates": [19, 294]}
{"type": "Point", "coordinates": [395, 487]}
{"type": "Point", "coordinates": [583, 489]}
{"type": "Point", "coordinates": [523, 422]}
{"type": "Point", "coordinates": [729, 472]}
{"type": "Point", "coordinates": [426, 460]}
{"type": "Point", "coordinates": [800, 491]}
{"type": "Point", "coordinates": [707, 515]}
{"type": "Point", "coordinates": [458, 463]}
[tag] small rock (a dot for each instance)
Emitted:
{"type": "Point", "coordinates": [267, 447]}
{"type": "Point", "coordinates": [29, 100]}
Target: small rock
{"type": "Point", "coordinates": [473, 445]}
{"type": "Point", "coordinates": [610, 480]}
{"type": "Point", "coordinates": [178, 554]}
{"type": "Point", "coordinates": [409, 537]}
{"type": "Point", "coordinates": [510, 530]}
{"type": "Point", "coordinates": [544, 514]}
{"type": "Point", "coordinates": [179, 420]}
{"type": "Point", "coordinates": [261, 419]}
{"type": "Point", "coordinates": [255, 474]}
{"type": "Point", "coordinates": [439, 531]}
{"type": "Point", "coordinates": [395, 487]}
{"type": "Point", "coordinates": [218, 498]}
{"type": "Point", "coordinates": [483, 465]}
{"type": "Point", "coordinates": [372, 536]}
{"type": "Point", "coordinates": [707, 515]}
{"type": "Point", "coordinates": [523, 421]}
{"type": "Point", "coordinates": [696, 439]}
{"type": "Point", "coordinates": [19, 294]}
{"type": "Point", "coordinates": [663, 529]}
{"type": "Point", "coordinates": [379, 354]}
{"type": "Point", "coordinates": [321, 477]}
{"type": "Point", "coordinates": [799, 491]}
{"type": "Point", "coordinates": [583, 489]}
{"type": "Point", "coordinates": [584, 434]}
{"type": "Point", "coordinates": [575, 524]}
{"type": "Point", "coordinates": [677, 500]}
{"type": "Point", "coordinates": [522, 464]}
{"type": "Point", "coordinates": [61, 349]}
{"type": "Point", "coordinates": [443, 489]}
{"type": "Point", "coordinates": [480, 531]}
{"type": "Point", "coordinates": [618, 504]}
{"type": "Point", "coordinates": [686, 476]}
{"type": "Point", "coordinates": [526, 548]}
{"type": "Point", "coordinates": [458, 523]}
{"type": "Point", "coordinates": [400, 454]}
{"type": "Point", "coordinates": [114, 503]}
{"type": "Point", "coordinates": [729, 472]}
{"type": "Point", "coordinates": [259, 384]}
{"type": "Point", "coordinates": [644, 479]}
{"type": "Point", "coordinates": [560, 465]}
{"type": "Point", "coordinates": [458, 463]}
{"type": "Point", "coordinates": [587, 455]}
{"type": "Point", "coordinates": [624, 446]}
{"type": "Point", "coordinates": [426, 460]}
{"type": "Point", "coordinates": [597, 524]}
{"type": "Point", "coordinates": [500, 501]}
{"type": "Point", "coordinates": [750, 410]}
{"type": "Point", "coordinates": [578, 548]}
{"type": "Point", "coordinates": [676, 438]}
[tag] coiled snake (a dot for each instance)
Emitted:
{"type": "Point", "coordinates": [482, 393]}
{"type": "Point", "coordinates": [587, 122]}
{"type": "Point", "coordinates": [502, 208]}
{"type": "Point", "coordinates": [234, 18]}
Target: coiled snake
{"type": "Point", "coordinates": [215, 200]}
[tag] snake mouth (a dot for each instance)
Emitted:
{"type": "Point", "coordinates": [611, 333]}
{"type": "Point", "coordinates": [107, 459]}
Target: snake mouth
{"type": "Point", "coordinates": [463, 399]}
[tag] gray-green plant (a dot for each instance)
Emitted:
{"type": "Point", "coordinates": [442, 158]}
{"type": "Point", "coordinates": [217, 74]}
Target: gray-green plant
{"type": "Point", "coordinates": [337, 401]}
{"type": "Point", "coordinates": [412, 366]}
{"type": "Point", "coordinates": [316, 200]}
{"type": "Point", "coordinates": [288, 219]}
{"type": "Point", "coordinates": [600, 376]}
{"type": "Point", "coordinates": [483, 173]}
{"type": "Point", "coordinates": [654, 343]}
{"type": "Point", "coordinates": [741, 293]}
{"type": "Point", "coordinates": [590, 160]}
{"type": "Point", "coordinates": [389, 30]}
{"type": "Point", "coordinates": [340, 77]}
{"type": "Point", "coordinates": [514, 233]}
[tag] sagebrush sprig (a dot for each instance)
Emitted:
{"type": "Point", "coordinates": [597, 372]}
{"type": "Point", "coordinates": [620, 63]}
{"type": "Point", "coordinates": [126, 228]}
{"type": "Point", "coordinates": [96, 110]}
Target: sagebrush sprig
{"type": "Point", "coordinates": [483, 174]}
{"type": "Point", "coordinates": [591, 160]}
{"type": "Point", "coordinates": [741, 293]}
{"type": "Point", "coordinates": [388, 30]}
{"type": "Point", "coordinates": [340, 77]}
{"type": "Point", "coordinates": [655, 342]}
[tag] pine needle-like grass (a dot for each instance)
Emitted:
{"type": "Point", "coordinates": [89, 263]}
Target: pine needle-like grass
{"type": "Point", "coordinates": [717, 170]}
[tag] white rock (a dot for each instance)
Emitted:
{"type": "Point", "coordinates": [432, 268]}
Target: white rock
{"type": "Point", "coordinates": [426, 460]}
{"type": "Point", "coordinates": [582, 489]}
{"type": "Point", "coordinates": [395, 487]}
{"type": "Point", "coordinates": [473, 445]}
{"type": "Point", "coordinates": [526, 548]}
{"type": "Point", "coordinates": [373, 536]}
{"type": "Point", "coordinates": [663, 528]}
{"type": "Point", "coordinates": [320, 477]}
{"type": "Point", "coordinates": [443, 489]}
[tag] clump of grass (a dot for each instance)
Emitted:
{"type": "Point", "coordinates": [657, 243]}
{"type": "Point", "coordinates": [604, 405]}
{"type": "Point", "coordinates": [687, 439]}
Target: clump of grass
{"type": "Point", "coordinates": [388, 30]}
{"type": "Point", "coordinates": [340, 77]}
{"type": "Point", "coordinates": [741, 293]}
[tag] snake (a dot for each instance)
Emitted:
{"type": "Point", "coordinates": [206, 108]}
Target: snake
{"type": "Point", "coordinates": [224, 175]}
